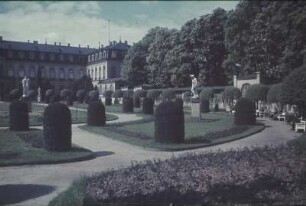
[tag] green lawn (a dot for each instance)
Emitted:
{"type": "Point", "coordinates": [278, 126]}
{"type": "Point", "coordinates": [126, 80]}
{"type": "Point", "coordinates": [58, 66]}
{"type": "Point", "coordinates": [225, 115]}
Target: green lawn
{"type": "Point", "coordinates": [36, 116]}
{"type": "Point", "coordinates": [117, 108]}
{"type": "Point", "coordinates": [15, 151]}
{"type": "Point", "coordinates": [214, 128]}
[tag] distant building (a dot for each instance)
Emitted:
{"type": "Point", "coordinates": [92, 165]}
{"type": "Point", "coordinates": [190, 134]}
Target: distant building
{"type": "Point", "coordinates": [59, 65]}
{"type": "Point", "coordinates": [104, 66]}
{"type": "Point", "coordinates": [244, 82]}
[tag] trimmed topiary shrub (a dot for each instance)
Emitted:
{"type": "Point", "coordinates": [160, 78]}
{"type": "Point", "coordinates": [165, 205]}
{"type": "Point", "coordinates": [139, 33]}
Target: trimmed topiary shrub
{"type": "Point", "coordinates": [15, 94]}
{"type": "Point", "coordinates": [54, 98]}
{"type": "Point", "coordinates": [205, 96]}
{"type": "Point", "coordinates": [169, 122]}
{"type": "Point", "coordinates": [128, 93]}
{"type": "Point", "coordinates": [153, 94]}
{"type": "Point", "coordinates": [57, 127]}
{"type": "Point", "coordinates": [204, 106]}
{"type": "Point", "coordinates": [108, 97]}
{"type": "Point", "coordinates": [18, 116]}
{"type": "Point", "coordinates": [168, 95]}
{"type": "Point", "coordinates": [245, 112]}
{"type": "Point", "coordinates": [49, 93]}
{"type": "Point", "coordinates": [216, 108]}
{"type": "Point", "coordinates": [93, 95]}
{"type": "Point", "coordinates": [117, 94]}
{"type": "Point", "coordinates": [65, 93]}
{"type": "Point", "coordinates": [127, 104]}
{"type": "Point", "coordinates": [96, 113]}
{"type": "Point", "coordinates": [32, 94]}
{"type": "Point", "coordinates": [274, 92]}
{"type": "Point", "coordinates": [137, 95]}
{"type": "Point", "coordinates": [257, 92]}
{"type": "Point", "coordinates": [147, 106]}
{"type": "Point", "coordinates": [80, 95]}
{"type": "Point", "coordinates": [230, 94]}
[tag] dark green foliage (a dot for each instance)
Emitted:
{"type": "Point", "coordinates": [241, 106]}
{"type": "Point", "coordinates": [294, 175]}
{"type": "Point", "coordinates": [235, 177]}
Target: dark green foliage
{"type": "Point", "coordinates": [69, 101]}
{"type": "Point", "coordinates": [257, 92]}
{"type": "Point", "coordinates": [216, 108]}
{"type": "Point", "coordinates": [138, 94]}
{"type": "Point", "coordinates": [32, 94]}
{"type": "Point", "coordinates": [147, 106]}
{"type": "Point", "coordinates": [80, 95]}
{"type": "Point", "coordinates": [187, 96]}
{"type": "Point", "coordinates": [96, 113]}
{"type": "Point", "coordinates": [168, 94]}
{"type": "Point", "coordinates": [54, 98]}
{"type": "Point", "coordinates": [85, 83]}
{"type": "Point", "coordinates": [107, 93]}
{"type": "Point", "coordinates": [206, 94]}
{"type": "Point", "coordinates": [180, 102]}
{"type": "Point", "coordinates": [153, 94]}
{"type": "Point", "coordinates": [293, 90]}
{"type": "Point", "coordinates": [117, 94]}
{"type": "Point", "coordinates": [57, 127]}
{"type": "Point", "coordinates": [108, 101]}
{"type": "Point", "coordinates": [169, 122]}
{"type": "Point", "coordinates": [274, 92]}
{"type": "Point", "coordinates": [116, 101]}
{"type": "Point", "coordinates": [93, 95]}
{"type": "Point", "coordinates": [48, 95]}
{"type": "Point", "coordinates": [64, 93]}
{"type": "Point", "coordinates": [127, 104]}
{"type": "Point", "coordinates": [19, 116]}
{"type": "Point", "coordinates": [128, 93]}
{"type": "Point", "coordinates": [245, 112]}
{"type": "Point", "coordinates": [230, 94]}
{"type": "Point", "coordinates": [204, 106]}
{"type": "Point", "coordinates": [14, 94]}
{"type": "Point", "coordinates": [136, 102]}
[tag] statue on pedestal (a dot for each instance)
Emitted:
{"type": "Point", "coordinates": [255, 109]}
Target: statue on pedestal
{"type": "Point", "coordinates": [39, 95]}
{"type": "Point", "coordinates": [194, 82]}
{"type": "Point", "coordinates": [25, 86]}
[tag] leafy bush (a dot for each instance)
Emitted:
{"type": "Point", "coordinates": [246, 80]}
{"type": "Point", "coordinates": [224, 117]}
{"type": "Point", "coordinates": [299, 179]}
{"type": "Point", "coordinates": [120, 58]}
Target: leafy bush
{"type": "Point", "coordinates": [32, 94]}
{"type": "Point", "coordinates": [93, 95]}
{"type": "Point", "coordinates": [293, 89]}
{"type": "Point", "coordinates": [230, 94]}
{"type": "Point", "coordinates": [54, 98]}
{"type": "Point", "coordinates": [168, 94]}
{"type": "Point", "coordinates": [128, 93]}
{"type": "Point", "coordinates": [19, 116]}
{"type": "Point", "coordinates": [204, 106]}
{"type": "Point", "coordinates": [273, 95]}
{"type": "Point", "coordinates": [65, 93]}
{"type": "Point", "coordinates": [108, 101]}
{"type": "Point", "coordinates": [116, 101]}
{"type": "Point", "coordinates": [169, 122]}
{"type": "Point", "coordinates": [118, 94]}
{"type": "Point", "coordinates": [15, 94]}
{"type": "Point", "coordinates": [153, 94]}
{"type": "Point", "coordinates": [148, 106]}
{"type": "Point", "coordinates": [96, 113]}
{"type": "Point", "coordinates": [187, 96]}
{"type": "Point", "coordinates": [245, 112]}
{"type": "Point", "coordinates": [57, 127]}
{"type": "Point", "coordinates": [80, 95]}
{"type": "Point", "coordinates": [127, 104]}
{"type": "Point", "coordinates": [206, 94]}
{"type": "Point", "coordinates": [137, 95]}
{"type": "Point", "coordinates": [108, 93]}
{"type": "Point", "coordinates": [216, 107]}
{"type": "Point", "coordinates": [48, 94]}
{"type": "Point", "coordinates": [257, 92]}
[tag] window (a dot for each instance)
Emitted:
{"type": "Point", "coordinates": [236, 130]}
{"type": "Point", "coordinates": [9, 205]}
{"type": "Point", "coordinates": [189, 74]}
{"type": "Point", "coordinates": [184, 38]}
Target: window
{"type": "Point", "coordinates": [104, 54]}
{"type": "Point", "coordinates": [81, 73]}
{"type": "Point", "coordinates": [114, 55]}
{"type": "Point", "coordinates": [92, 74]}
{"type": "Point", "coordinates": [52, 73]}
{"type": "Point", "coordinates": [100, 55]}
{"type": "Point", "coordinates": [88, 58]}
{"type": "Point", "coordinates": [112, 72]}
{"type": "Point", "coordinates": [244, 89]}
{"type": "Point", "coordinates": [11, 71]}
{"type": "Point", "coordinates": [71, 58]}
{"type": "Point", "coordinates": [21, 72]}
{"type": "Point", "coordinates": [71, 74]}
{"type": "Point", "coordinates": [92, 57]}
{"type": "Point", "coordinates": [32, 55]}
{"type": "Point", "coordinates": [52, 57]}
{"type": "Point", "coordinates": [10, 54]}
{"type": "Point", "coordinates": [32, 72]}
{"type": "Point", "coordinates": [96, 75]}
{"type": "Point", "coordinates": [41, 56]}
{"type": "Point", "coordinates": [61, 57]}
{"type": "Point", "coordinates": [99, 73]}
{"type": "Point", "coordinates": [61, 74]}
{"type": "Point", "coordinates": [21, 54]}
{"type": "Point", "coordinates": [88, 72]}
{"type": "Point", "coordinates": [43, 73]}
{"type": "Point", "coordinates": [96, 57]}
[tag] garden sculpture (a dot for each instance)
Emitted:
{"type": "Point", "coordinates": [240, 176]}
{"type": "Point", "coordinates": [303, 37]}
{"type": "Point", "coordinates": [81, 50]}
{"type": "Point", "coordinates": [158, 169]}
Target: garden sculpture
{"type": "Point", "coordinates": [194, 82]}
{"type": "Point", "coordinates": [25, 86]}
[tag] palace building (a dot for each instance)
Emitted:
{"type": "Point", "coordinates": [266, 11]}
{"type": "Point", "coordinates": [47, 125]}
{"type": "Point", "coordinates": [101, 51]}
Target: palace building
{"type": "Point", "coordinates": [59, 65]}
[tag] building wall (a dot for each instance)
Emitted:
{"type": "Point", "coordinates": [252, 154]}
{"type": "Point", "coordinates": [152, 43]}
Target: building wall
{"type": "Point", "coordinates": [240, 82]}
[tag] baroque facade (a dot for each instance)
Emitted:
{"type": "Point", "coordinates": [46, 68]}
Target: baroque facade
{"type": "Point", "coordinates": [58, 65]}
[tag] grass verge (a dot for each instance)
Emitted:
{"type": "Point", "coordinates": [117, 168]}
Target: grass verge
{"type": "Point", "coordinates": [23, 148]}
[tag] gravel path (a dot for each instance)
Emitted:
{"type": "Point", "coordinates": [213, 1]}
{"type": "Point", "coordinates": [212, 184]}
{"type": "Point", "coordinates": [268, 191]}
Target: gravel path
{"type": "Point", "coordinates": [38, 184]}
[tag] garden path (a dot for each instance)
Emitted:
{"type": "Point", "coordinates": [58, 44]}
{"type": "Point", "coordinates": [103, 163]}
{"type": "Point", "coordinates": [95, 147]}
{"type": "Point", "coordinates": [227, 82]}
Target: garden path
{"type": "Point", "coordinates": [114, 154]}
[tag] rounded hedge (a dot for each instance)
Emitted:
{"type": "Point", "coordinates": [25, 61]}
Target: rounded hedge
{"type": "Point", "coordinates": [169, 123]}
{"type": "Point", "coordinates": [93, 95]}
{"type": "Point", "coordinates": [54, 98]}
{"type": "Point", "coordinates": [127, 104]}
{"type": "Point", "coordinates": [204, 106]}
{"type": "Point", "coordinates": [48, 94]}
{"type": "Point", "coordinates": [80, 95]}
{"type": "Point", "coordinates": [147, 106]}
{"type": "Point", "coordinates": [216, 109]}
{"type": "Point", "coordinates": [116, 101]}
{"type": "Point", "coordinates": [245, 112]}
{"type": "Point", "coordinates": [96, 114]}
{"type": "Point", "coordinates": [187, 96]}
{"type": "Point", "coordinates": [57, 127]}
{"type": "Point", "coordinates": [64, 93]}
{"type": "Point", "coordinates": [32, 94]}
{"type": "Point", "coordinates": [108, 101]}
{"type": "Point", "coordinates": [14, 94]}
{"type": "Point", "coordinates": [153, 94]}
{"type": "Point", "coordinates": [18, 116]}
{"type": "Point", "coordinates": [118, 94]}
{"type": "Point", "coordinates": [168, 94]}
{"type": "Point", "coordinates": [274, 92]}
{"type": "Point", "coordinates": [257, 92]}
{"type": "Point", "coordinates": [137, 95]}
{"type": "Point", "coordinates": [206, 94]}
{"type": "Point", "coordinates": [231, 93]}
{"type": "Point", "coordinates": [128, 93]}
{"type": "Point", "coordinates": [108, 93]}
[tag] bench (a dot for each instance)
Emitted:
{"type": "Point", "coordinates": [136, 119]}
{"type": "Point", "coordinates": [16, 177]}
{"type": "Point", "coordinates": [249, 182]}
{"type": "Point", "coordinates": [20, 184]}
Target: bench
{"type": "Point", "coordinates": [300, 126]}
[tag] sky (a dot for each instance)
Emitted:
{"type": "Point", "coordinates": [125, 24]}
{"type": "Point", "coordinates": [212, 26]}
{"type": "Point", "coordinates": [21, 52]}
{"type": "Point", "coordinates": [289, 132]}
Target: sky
{"type": "Point", "coordinates": [88, 23]}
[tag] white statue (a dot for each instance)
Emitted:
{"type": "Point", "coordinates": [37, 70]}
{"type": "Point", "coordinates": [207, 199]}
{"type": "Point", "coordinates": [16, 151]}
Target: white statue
{"type": "Point", "coordinates": [25, 86]}
{"type": "Point", "coordinates": [39, 95]}
{"type": "Point", "coordinates": [194, 82]}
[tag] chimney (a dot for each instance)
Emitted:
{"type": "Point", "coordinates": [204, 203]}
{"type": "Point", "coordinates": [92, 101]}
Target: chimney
{"type": "Point", "coordinates": [28, 41]}
{"type": "Point", "coordinates": [87, 46]}
{"type": "Point", "coordinates": [102, 45]}
{"type": "Point", "coordinates": [110, 43]}
{"type": "Point", "coordinates": [59, 43]}
{"type": "Point", "coordinates": [1, 39]}
{"type": "Point", "coordinates": [68, 45]}
{"type": "Point", "coordinates": [79, 45]}
{"type": "Point", "coordinates": [125, 42]}
{"type": "Point", "coordinates": [35, 42]}
{"type": "Point", "coordinates": [114, 42]}
{"type": "Point", "coordinates": [55, 43]}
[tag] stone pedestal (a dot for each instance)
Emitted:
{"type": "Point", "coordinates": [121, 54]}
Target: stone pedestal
{"type": "Point", "coordinates": [195, 109]}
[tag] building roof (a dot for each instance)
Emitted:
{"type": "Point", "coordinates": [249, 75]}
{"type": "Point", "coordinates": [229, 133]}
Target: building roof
{"type": "Point", "coordinates": [35, 46]}
{"type": "Point", "coordinates": [118, 46]}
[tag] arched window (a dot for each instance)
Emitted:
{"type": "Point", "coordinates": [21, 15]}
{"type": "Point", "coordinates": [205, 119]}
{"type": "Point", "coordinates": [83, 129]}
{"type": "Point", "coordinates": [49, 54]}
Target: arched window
{"type": "Point", "coordinates": [70, 58]}
{"type": "Point", "coordinates": [104, 54]}
{"type": "Point", "coordinates": [96, 57]}
{"type": "Point", "coordinates": [100, 55]}
{"type": "Point", "coordinates": [32, 55]}
{"type": "Point", "coordinates": [52, 57]}
{"type": "Point", "coordinates": [21, 72]}
{"type": "Point", "coordinates": [43, 72]}
{"type": "Point", "coordinates": [32, 72]}
{"type": "Point", "coordinates": [21, 54]}
{"type": "Point", "coordinates": [61, 74]}
{"type": "Point", "coordinates": [61, 57]}
{"type": "Point", "coordinates": [92, 58]}
{"type": "Point", "coordinates": [104, 72]}
{"type": "Point", "coordinates": [81, 73]}
{"type": "Point", "coordinates": [71, 74]}
{"type": "Point", "coordinates": [114, 55]}
{"type": "Point", "coordinates": [51, 73]}
{"type": "Point", "coordinates": [11, 71]}
{"type": "Point", "coordinates": [244, 89]}
{"type": "Point", "coordinates": [42, 56]}
{"type": "Point", "coordinates": [88, 58]}
{"type": "Point", "coordinates": [96, 75]}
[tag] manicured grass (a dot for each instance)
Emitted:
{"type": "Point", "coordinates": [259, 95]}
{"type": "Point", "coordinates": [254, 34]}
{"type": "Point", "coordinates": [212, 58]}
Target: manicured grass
{"type": "Point", "coordinates": [216, 128]}
{"type": "Point", "coordinates": [249, 176]}
{"type": "Point", "coordinates": [15, 151]}
{"type": "Point", "coordinates": [117, 108]}
{"type": "Point", "coordinates": [36, 116]}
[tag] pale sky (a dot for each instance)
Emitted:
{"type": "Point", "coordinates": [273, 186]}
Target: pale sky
{"type": "Point", "coordinates": [86, 23]}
